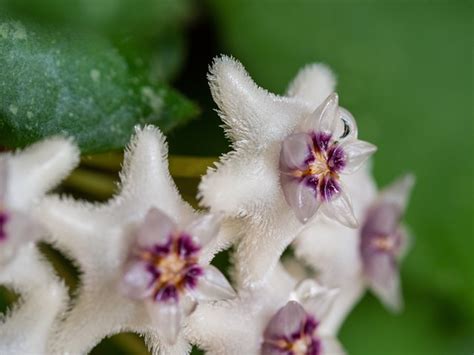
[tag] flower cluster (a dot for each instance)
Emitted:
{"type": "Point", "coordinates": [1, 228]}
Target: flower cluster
{"type": "Point", "coordinates": [297, 176]}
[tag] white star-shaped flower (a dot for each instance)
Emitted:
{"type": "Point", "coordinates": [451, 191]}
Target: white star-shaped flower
{"type": "Point", "coordinates": [353, 259]}
{"type": "Point", "coordinates": [138, 254]}
{"type": "Point", "coordinates": [289, 157]}
{"type": "Point", "coordinates": [25, 176]}
{"type": "Point", "coordinates": [281, 309]}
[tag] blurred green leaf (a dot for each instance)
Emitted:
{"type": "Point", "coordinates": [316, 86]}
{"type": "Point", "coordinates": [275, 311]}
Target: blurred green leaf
{"type": "Point", "coordinates": [62, 83]}
{"type": "Point", "coordinates": [142, 18]}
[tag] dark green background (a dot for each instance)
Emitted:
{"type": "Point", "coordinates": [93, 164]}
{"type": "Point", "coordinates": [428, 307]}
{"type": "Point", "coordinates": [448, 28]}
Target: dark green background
{"type": "Point", "coordinates": [405, 71]}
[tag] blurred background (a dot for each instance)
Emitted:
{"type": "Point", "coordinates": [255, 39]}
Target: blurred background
{"type": "Point", "coordinates": [405, 70]}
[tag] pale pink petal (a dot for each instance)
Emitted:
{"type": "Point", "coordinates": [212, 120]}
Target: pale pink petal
{"type": "Point", "coordinates": [155, 229]}
{"type": "Point", "coordinates": [188, 303]}
{"type": "Point", "coordinates": [301, 196]}
{"type": "Point", "coordinates": [316, 299]}
{"type": "Point", "coordinates": [166, 319]}
{"type": "Point", "coordinates": [295, 152]}
{"type": "Point", "coordinates": [136, 280]}
{"type": "Point", "coordinates": [356, 153]}
{"type": "Point", "coordinates": [340, 209]}
{"type": "Point", "coordinates": [324, 118]}
{"type": "Point", "coordinates": [286, 321]}
{"type": "Point", "coordinates": [204, 228]}
{"type": "Point", "coordinates": [213, 285]}
{"type": "Point", "coordinates": [384, 280]}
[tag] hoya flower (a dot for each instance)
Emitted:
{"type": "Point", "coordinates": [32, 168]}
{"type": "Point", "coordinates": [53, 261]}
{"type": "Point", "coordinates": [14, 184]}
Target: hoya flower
{"type": "Point", "coordinates": [138, 254]}
{"type": "Point", "coordinates": [24, 177]}
{"type": "Point", "coordinates": [352, 259]}
{"type": "Point", "coordinates": [164, 269]}
{"type": "Point", "coordinates": [282, 317]}
{"type": "Point", "coordinates": [291, 156]}
{"type": "Point", "coordinates": [384, 240]}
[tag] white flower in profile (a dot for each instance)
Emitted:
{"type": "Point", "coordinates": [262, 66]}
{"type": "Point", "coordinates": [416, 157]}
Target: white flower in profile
{"type": "Point", "coordinates": [291, 157]}
{"type": "Point", "coordinates": [139, 255]}
{"type": "Point", "coordinates": [354, 259]}
{"type": "Point", "coordinates": [25, 176]}
{"type": "Point", "coordinates": [281, 316]}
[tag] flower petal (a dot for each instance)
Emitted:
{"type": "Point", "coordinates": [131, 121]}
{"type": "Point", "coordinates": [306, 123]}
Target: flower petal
{"type": "Point", "coordinates": [384, 280]}
{"type": "Point", "coordinates": [346, 126]}
{"type": "Point", "coordinates": [38, 168]}
{"type": "Point", "coordinates": [287, 321]}
{"type": "Point", "coordinates": [296, 152]}
{"type": "Point", "coordinates": [324, 118]}
{"type": "Point", "coordinates": [301, 196]}
{"type": "Point", "coordinates": [136, 280]}
{"type": "Point", "coordinates": [316, 299]}
{"type": "Point", "coordinates": [247, 109]}
{"type": "Point", "coordinates": [20, 228]}
{"type": "Point", "coordinates": [356, 153]}
{"type": "Point", "coordinates": [339, 208]}
{"type": "Point", "coordinates": [313, 84]}
{"type": "Point", "coordinates": [213, 286]}
{"type": "Point", "coordinates": [157, 228]}
{"type": "Point", "coordinates": [204, 228]}
{"type": "Point", "coordinates": [167, 319]}
{"type": "Point", "coordinates": [398, 192]}
{"type": "Point", "coordinates": [145, 178]}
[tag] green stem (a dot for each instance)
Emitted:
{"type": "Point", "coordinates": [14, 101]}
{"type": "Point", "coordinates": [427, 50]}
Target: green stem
{"type": "Point", "coordinates": [179, 165]}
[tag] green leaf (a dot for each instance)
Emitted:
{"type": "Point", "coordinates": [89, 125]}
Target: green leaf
{"type": "Point", "coordinates": [117, 17]}
{"type": "Point", "coordinates": [64, 83]}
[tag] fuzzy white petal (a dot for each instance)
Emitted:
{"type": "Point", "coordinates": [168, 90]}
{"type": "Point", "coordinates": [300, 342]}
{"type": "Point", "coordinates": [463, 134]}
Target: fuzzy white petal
{"type": "Point", "coordinates": [221, 327]}
{"type": "Point", "coordinates": [250, 112]}
{"type": "Point", "coordinates": [38, 168]}
{"type": "Point", "coordinates": [313, 84]}
{"type": "Point", "coordinates": [28, 328]}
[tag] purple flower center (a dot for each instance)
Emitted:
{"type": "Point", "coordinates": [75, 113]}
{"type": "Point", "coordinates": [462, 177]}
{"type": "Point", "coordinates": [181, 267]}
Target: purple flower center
{"type": "Point", "coordinates": [3, 223]}
{"type": "Point", "coordinates": [320, 170]}
{"type": "Point", "coordinates": [173, 265]}
{"type": "Point", "coordinates": [380, 236]}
